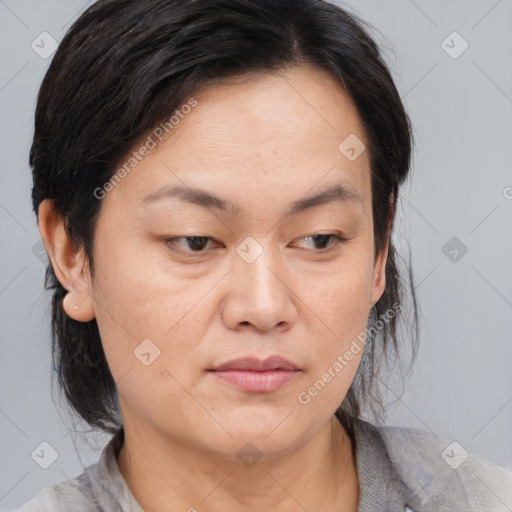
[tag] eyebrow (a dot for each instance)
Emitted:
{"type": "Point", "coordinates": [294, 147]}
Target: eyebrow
{"type": "Point", "coordinates": [339, 192]}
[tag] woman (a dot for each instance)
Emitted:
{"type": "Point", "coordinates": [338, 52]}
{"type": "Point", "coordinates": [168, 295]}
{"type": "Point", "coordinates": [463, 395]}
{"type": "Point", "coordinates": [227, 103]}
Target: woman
{"type": "Point", "coordinates": [215, 185]}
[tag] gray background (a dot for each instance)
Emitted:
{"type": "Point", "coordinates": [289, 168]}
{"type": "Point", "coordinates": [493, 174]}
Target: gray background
{"type": "Point", "coordinates": [461, 109]}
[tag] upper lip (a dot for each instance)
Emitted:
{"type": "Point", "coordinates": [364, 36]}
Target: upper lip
{"type": "Point", "coordinates": [258, 365]}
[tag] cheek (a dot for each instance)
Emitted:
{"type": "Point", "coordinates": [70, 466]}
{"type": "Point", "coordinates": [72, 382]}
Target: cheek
{"type": "Point", "coordinates": [335, 356]}
{"type": "Point", "coordinates": [152, 340]}
{"type": "Point", "coordinates": [137, 301]}
{"type": "Point", "coordinates": [341, 302]}
{"type": "Point", "coordinates": [339, 315]}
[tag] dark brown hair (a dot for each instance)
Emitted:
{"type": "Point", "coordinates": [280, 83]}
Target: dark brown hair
{"type": "Point", "coordinates": [125, 66]}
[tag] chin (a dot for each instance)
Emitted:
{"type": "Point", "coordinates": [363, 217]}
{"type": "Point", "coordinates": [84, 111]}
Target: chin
{"type": "Point", "coordinates": [250, 446]}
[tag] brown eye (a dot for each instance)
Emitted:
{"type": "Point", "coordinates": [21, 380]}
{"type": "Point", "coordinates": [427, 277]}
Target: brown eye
{"type": "Point", "coordinates": [321, 241]}
{"type": "Point", "coordinates": [194, 244]}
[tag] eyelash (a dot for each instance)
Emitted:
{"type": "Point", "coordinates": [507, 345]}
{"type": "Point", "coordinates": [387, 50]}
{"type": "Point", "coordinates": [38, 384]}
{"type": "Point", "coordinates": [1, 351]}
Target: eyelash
{"type": "Point", "coordinates": [337, 241]}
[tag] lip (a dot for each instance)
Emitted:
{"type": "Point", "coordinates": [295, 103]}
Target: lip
{"type": "Point", "coordinates": [256, 375]}
{"type": "Point", "coordinates": [258, 365]}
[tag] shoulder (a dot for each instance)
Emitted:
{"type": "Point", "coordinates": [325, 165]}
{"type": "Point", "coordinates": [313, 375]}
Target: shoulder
{"type": "Point", "coordinates": [439, 474]}
{"type": "Point", "coordinates": [100, 487]}
{"type": "Point", "coordinates": [73, 495]}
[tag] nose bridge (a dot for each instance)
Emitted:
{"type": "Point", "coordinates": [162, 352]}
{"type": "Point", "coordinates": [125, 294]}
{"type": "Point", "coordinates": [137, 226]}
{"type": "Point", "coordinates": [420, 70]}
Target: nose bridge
{"type": "Point", "coordinates": [257, 266]}
{"type": "Point", "coordinates": [255, 255]}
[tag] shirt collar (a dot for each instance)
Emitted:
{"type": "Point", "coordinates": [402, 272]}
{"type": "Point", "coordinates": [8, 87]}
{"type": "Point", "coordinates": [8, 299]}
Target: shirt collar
{"type": "Point", "coordinates": [380, 486]}
{"type": "Point", "coordinates": [108, 484]}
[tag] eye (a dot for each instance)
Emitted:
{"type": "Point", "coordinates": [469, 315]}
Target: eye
{"type": "Point", "coordinates": [199, 244]}
{"type": "Point", "coordinates": [323, 239]}
{"type": "Point", "coordinates": [194, 244]}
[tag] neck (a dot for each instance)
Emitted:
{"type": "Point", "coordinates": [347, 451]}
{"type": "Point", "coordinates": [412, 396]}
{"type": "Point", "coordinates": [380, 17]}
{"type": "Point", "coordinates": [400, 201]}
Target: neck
{"type": "Point", "coordinates": [321, 475]}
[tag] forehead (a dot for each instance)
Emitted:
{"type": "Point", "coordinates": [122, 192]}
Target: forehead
{"type": "Point", "coordinates": [257, 134]}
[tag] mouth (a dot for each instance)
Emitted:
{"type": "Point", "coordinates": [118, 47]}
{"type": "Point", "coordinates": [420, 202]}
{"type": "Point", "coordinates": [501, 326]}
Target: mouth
{"type": "Point", "coordinates": [255, 375]}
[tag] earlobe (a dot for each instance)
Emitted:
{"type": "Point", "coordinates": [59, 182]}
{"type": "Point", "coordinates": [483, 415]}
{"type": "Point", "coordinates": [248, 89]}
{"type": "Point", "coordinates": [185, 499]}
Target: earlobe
{"type": "Point", "coordinates": [79, 311]}
{"type": "Point", "coordinates": [68, 263]}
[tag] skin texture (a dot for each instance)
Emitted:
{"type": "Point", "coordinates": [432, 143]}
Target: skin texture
{"type": "Point", "coordinates": [263, 142]}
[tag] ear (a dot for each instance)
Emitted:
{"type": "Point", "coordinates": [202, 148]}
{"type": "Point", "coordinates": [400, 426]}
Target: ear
{"type": "Point", "coordinates": [379, 276]}
{"type": "Point", "coordinates": [69, 264]}
{"type": "Point", "coordinates": [379, 268]}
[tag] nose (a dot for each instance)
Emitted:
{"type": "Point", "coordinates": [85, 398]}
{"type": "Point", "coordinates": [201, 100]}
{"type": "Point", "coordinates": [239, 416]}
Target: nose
{"type": "Point", "coordinates": [260, 293]}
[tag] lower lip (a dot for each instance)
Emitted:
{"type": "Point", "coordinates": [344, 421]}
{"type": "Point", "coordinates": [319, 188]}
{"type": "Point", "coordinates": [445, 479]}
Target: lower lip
{"type": "Point", "coordinates": [257, 381]}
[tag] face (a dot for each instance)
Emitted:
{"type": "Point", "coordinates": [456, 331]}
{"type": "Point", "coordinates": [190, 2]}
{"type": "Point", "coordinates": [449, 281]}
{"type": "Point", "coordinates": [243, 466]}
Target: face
{"type": "Point", "coordinates": [183, 285]}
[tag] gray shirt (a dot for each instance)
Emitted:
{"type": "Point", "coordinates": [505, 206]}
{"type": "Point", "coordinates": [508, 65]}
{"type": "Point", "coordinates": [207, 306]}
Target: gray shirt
{"type": "Point", "coordinates": [399, 470]}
